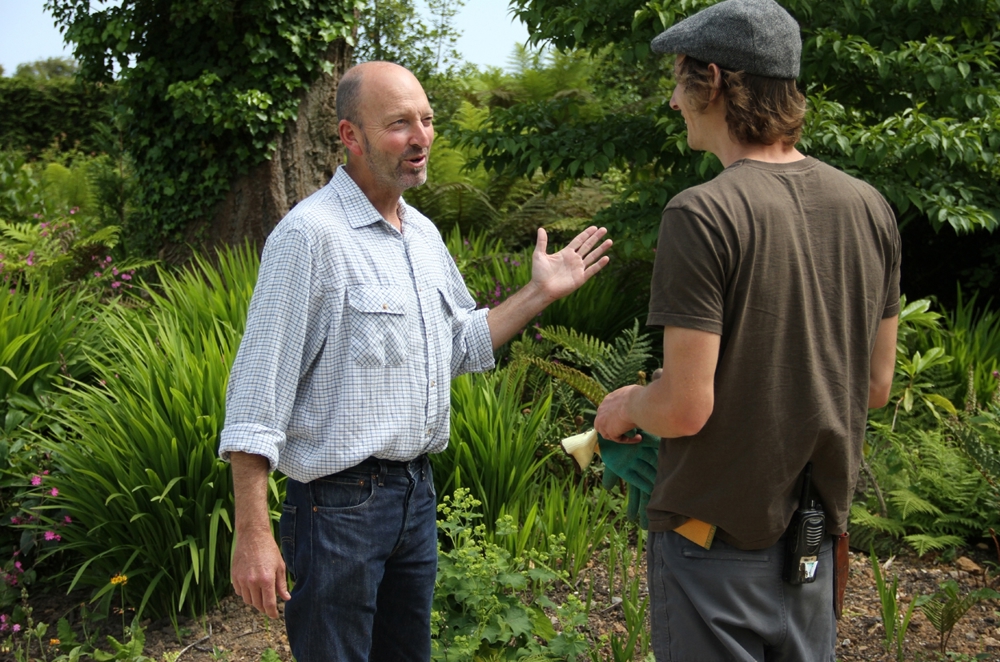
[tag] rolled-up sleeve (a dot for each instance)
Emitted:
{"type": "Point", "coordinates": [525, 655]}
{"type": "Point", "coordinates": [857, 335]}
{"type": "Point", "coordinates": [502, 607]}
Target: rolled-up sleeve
{"type": "Point", "coordinates": [283, 312]}
{"type": "Point", "coordinates": [472, 345]}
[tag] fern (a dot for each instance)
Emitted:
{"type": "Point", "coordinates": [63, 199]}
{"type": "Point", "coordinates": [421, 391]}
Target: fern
{"type": "Point", "coordinates": [578, 347]}
{"type": "Point", "coordinates": [626, 361]}
{"type": "Point", "coordinates": [908, 503]}
{"type": "Point", "coordinates": [583, 384]}
{"type": "Point", "coordinates": [861, 517]}
{"type": "Point", "coordinates": [923, 543]}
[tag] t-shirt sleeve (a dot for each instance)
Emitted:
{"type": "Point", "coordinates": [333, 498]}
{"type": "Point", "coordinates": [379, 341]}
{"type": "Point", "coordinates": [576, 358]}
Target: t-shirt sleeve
{"type": "Point", "coordinates": [893, 260]}
{"type": "Point", "coordinates": [689, 273]}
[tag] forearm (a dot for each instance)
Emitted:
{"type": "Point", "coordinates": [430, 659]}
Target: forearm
{"type": "Point", "coordinates": [667, 410]}
{"type": "Point", "coordinates": [516, 312]}
{"type": "Point", "coordinates": [250, 489]}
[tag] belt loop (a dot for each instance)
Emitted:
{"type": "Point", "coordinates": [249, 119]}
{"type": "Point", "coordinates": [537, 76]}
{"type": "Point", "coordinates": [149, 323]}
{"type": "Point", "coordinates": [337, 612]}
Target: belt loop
{"type": "Point", "coordinates": [423, 466]}
{"type": "Point", "coordinates": [381, 473]}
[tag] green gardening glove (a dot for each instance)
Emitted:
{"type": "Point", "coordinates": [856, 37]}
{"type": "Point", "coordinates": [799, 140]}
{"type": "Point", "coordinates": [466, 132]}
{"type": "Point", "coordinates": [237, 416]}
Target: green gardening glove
{"type": "Point", "coordinates": [637, 502]}
{"type": "Point", "coordinates": [635, 463]}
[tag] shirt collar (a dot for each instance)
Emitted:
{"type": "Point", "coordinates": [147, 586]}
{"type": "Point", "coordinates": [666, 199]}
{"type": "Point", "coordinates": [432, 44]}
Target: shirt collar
{"type": "Point", "coordinates": [354, 198]}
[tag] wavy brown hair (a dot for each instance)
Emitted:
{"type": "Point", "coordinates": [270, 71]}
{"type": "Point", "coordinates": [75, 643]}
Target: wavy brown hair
{"type": "Point", "coordinates": [759, 110]}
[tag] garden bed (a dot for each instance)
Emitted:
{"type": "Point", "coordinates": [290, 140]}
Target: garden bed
{"type": "Point", "coordinates": [234, 631]}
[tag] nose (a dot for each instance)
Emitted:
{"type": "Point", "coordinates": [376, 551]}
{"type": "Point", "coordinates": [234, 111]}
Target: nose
{"type": "Point", "coordinates": [674, 100]}
{"type": "Point", "coordinates": [423, 135]}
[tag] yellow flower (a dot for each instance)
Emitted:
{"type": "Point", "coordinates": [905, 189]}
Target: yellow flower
{"type": "Point", "coordinates": [119, 579]}
{"type": "Point", "coordinates": [54, 642]}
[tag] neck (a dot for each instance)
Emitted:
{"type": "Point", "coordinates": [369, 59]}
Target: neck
{"type": "Point", "coordinates": [733, 151]}
{"type": "Point", "coordinates": [385, 201]}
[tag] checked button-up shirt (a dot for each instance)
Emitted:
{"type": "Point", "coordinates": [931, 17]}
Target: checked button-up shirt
{"type": "Point", "coordinates": [354, 333]}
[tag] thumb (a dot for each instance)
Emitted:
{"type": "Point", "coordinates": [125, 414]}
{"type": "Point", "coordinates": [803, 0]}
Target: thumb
{"type": "Point", "coordinates": [541, 241]}
{"type": "Point", "coordinates": [282, 584]}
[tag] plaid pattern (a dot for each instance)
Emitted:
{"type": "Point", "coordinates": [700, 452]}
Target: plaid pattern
{"type": "Point", "coordinates": [353, 335]}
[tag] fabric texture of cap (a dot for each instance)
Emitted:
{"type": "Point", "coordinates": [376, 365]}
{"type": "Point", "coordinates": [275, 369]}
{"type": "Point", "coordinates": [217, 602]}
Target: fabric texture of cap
{"type": "Point", "coordinates": [755, 36]}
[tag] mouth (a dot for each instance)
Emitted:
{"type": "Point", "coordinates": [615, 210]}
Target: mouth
{"type": "Point", "coordinates": [418, 161]}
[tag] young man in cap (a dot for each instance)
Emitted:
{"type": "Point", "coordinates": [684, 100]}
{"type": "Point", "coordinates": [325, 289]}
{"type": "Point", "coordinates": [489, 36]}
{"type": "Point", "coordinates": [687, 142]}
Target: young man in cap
{"type": "Point", "coordinates": [777, 284]}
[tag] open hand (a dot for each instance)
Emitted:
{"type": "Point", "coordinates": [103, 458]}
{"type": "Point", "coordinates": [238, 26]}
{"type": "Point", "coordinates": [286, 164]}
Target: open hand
{"type": "Point", "coordinates": [564, 272]}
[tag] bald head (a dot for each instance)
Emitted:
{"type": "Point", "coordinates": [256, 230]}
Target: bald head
{"type": "Point", "coordinates": [351, 89]}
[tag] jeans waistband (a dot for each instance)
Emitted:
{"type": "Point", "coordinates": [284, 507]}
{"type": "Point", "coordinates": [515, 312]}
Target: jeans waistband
{"type": "Point", "coordinates": [376, 465]}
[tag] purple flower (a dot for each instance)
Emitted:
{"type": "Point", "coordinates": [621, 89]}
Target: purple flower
{"type": "Point", "coordinates": [97, 274]}
{"type": "Point", "coordinates": [36, 480]}
{"type": "Point", "coordinates": [67, 520]}
{"type": "Point", "coordinates": [115, 285]}
{"type": "Point", "coordinates": [43, 225]}
{"type": "Point", "coordinates": [31, 259]}
{"type": "Point", "coordinates": [52, 535]}
{"type": "Point", "coordinates": [16, 627]}
{"type": "Point", "coordinates": [108, 259]}
{"type": "Point", "coordinates": [54, 491]}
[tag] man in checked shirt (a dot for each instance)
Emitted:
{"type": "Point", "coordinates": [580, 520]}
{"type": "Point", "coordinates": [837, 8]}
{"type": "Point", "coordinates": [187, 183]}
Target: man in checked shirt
{"type": "Point", "coordinates": [358, 322]}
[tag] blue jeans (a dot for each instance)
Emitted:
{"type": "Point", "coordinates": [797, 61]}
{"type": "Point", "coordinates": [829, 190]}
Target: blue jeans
{"type": "Point", "coordinates": [729, 604]}
{"type": "Point", "coordinates": [361, 546]}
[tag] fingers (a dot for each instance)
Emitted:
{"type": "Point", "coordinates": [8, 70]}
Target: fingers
{"type": "Point", "coordinates": [597, 266]}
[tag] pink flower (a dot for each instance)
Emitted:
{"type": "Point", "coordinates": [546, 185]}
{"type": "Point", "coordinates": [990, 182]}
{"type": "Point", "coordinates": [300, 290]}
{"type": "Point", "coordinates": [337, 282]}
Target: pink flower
{"type": "Point", "coordinates": [17, 627]}
{"type": "Point", "coordinates": [114, 270]}
{"type": "Point", "coordinates": [115, 285]}
{"type": "Point", "coordinates": [36, 480]}
{"type": "Point", "coordinates": [17, 564]}
{"type": "Point", "coordinates": [126, 277]}
{"type": "Point", "coordinates": [15, 520]}
{"type": "Point", "coordinates": [97, 274]}
{"type": "Point", "coordinates": [52, 535]}
{"type": "Point", "coordinates": [43, 225]}
{"type": "Point", "coordinates": [67, 519]}
{"type": "Point", "coordinates": [54, 491]}
{"type": "Point", "coordinates": [108, 259]}
{"type": "Point", "coordinates": [74, 210]}
{"type": "Point", "coordinates": [31, 259]}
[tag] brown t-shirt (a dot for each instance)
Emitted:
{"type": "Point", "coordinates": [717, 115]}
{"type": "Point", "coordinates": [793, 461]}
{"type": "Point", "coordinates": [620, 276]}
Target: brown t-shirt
{"type": "Point", "coordinates": [794, 265]}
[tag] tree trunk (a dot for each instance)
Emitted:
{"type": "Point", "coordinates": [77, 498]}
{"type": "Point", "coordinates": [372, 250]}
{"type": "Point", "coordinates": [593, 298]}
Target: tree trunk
{"type": "Point", "coordinates": [307, 154]}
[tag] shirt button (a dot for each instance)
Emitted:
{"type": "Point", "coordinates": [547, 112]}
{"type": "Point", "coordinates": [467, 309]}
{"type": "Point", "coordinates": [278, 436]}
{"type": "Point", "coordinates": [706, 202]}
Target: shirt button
{"type": "Point", "coordinates": [428, 432]}
{"type": "Point", "coordinates": [385, 306]}
{"type": "Point", "coordinates": [433, 383]}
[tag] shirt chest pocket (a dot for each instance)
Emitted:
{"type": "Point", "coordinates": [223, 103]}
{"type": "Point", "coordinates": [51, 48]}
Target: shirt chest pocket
{"type": "Point", "coordinates": [378, 325]}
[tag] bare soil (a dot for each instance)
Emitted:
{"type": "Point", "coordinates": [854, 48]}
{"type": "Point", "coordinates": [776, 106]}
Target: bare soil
{"type": "Point", "coordinates": [233, 631]}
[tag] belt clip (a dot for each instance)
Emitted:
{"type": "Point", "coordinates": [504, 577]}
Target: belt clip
{"type": "Point", "coordinates": [381, 474]}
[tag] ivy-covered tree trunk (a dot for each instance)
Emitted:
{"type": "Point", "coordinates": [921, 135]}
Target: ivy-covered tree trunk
{"type": "Point", "coordinates": [307, 153]}
{"type": "Point", "coordinates": [227, 108]}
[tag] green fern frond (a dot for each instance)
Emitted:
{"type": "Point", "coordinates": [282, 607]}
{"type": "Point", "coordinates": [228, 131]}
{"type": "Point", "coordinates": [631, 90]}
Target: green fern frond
{"type": "Point", "coordinates": [923, 542]}
{"type": "Point", "coordinates": [581, 348]}
{"type": "Point", "coordinates": [627, 359]}
{"type": "Point", "coordinates": [909, 503]}
{"type": "Point", "coordinates": [583, 384]}
{"type": "Point", "coordinates": [861, 517]}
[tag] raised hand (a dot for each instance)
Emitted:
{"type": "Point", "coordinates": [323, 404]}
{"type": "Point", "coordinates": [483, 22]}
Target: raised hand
{"type": "Point", "coordinates": [564, 272]}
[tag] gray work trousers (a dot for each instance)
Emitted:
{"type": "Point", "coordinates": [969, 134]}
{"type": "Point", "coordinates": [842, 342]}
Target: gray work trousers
{"type": "Point", "coordinates": [729, 604]}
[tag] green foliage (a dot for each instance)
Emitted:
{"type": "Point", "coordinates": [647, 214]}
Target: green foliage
{"type": "Point", "coordinates": [969, 333]}
{"type": "Point", "coordinates": [582, 517]}
{"type": "Point", "coordinates": [497, 446]}
{"type": "Point", "coordinates": [44, 338]}
{"type": "Point", "coordinates": [52, 68]}
{"type": "Point", "coordinates": [39, 111]}
{"type": "Point", "coordinates": [490, 606]}
{"type": "Point", "coordinates": [904, 94]}
{"type": "Point", "coordinates": [138, 471]}
{"type": "Point", "coordinates": [894, 621]}
{"type": "Point", "coordinates": [946, 608]}
{"type": "Point", "coordinates": [206, 86]}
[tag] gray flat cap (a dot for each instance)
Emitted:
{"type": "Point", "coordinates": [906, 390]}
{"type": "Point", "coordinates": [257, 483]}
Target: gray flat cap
{"type": "Point", "coordinates": [756, 36]}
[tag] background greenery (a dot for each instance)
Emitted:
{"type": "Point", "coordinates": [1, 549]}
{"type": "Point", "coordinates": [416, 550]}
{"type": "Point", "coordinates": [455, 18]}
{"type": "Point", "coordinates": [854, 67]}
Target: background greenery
{"type": "Point", "coordinates": [113, 366]}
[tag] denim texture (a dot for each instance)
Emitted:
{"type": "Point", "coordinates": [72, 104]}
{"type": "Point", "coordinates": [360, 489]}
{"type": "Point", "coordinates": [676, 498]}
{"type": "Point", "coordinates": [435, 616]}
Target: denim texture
{"type": "Point", "coordinates": [729, 604]}
{"type": "Point", "coordinates": [361, 546]}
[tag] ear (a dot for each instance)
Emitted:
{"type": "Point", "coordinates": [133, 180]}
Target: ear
{"type": "Point", "coordinates": [716, 74]}
{"type": "Point", "coordinates": [350, 135]}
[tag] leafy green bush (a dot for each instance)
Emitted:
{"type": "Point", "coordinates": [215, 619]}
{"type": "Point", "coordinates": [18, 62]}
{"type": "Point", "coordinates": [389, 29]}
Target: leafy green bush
{"type": "Point", "coordinates": [36, 113]}
{"type": "Point", "coordinates": [138, 472]}
{"type": "Point", "coordinates": [488, 605]}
